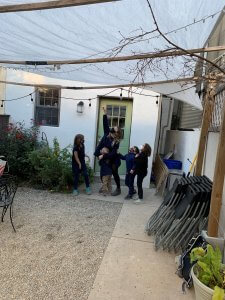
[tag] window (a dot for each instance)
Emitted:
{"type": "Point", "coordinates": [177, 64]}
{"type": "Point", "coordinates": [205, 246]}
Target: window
{"type": "Point", "coordinates": [47, 107]}
{"type": "Point", "coordinates": [117, 116]}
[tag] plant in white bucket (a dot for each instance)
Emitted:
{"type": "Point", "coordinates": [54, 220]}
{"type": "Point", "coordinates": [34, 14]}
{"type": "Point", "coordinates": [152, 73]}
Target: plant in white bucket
{"type": "Point", "coordinates": [208, 273]}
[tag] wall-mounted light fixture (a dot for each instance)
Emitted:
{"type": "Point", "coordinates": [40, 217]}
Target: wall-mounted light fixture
{"type": "Point", "coordinates": [80, 107]}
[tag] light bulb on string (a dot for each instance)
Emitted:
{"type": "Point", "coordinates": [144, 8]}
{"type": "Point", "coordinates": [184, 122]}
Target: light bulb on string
{"type": "Point", "coordinates": [121, 95]}
{"type": "Point", "coordinates": [2, 103]}
{"type": "Point", "coordinates": [89, 102]}
{"type": "Point", "coordinates": [157, 100]}
{"type": "Point", "coordinates": [31, 99]}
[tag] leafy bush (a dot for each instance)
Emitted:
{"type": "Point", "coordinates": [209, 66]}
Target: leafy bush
{"type": "Point", "coordinates": [35, 161]}
{"type": "Point", "coordinates": [52, 167]}
{"type": "Point", "coordinates": [210, 270]}
{"type": "Point", "coordinates": [16, 143]}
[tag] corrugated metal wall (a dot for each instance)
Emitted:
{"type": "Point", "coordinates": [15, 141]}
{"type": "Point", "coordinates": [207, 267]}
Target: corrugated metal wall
{"type": "Point", "coordinates": [190, 117]}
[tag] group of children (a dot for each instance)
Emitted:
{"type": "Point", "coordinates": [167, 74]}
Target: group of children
{"type": "Point", "coordinates": [109, 158]}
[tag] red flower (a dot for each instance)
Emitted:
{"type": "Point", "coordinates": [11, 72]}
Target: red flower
{"type": "Point", "coordinates": [19, 136]}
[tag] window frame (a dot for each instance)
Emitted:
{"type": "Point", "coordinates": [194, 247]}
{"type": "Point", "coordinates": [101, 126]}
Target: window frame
{"type": "Point", "coordinates": [118, 117]}
{"type": "Point", "coordinates": [37, 105]}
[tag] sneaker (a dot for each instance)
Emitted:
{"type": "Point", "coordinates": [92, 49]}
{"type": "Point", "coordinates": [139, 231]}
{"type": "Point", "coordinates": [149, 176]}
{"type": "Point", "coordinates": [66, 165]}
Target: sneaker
{"type": "Point", "coordinates": [138, 201]}
{"type": "Point", "coordinates": [88, 191]}
{"type": "Point", "coordinates": [135, 197]}
{"type": "Point", "coordinates": [128, 197]}
{"type": "Point", "coordinates": [75, 193]}
{"type": "Point", "coordinates": [116, 192]}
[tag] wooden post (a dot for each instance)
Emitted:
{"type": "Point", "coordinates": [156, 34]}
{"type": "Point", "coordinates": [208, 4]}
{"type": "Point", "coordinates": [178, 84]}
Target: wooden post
{"type": "Point", "coordinates": [206, 120]}
{"type": "Point", "coordinates": [218, 182]}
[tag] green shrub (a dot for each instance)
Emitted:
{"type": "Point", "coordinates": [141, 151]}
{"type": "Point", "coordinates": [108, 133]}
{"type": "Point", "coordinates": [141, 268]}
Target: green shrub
{"type": "Point", "coordinates": [52, 167]}
{"type": "Point", "coordinates": [16, 143]}
{"type": "Point", "coordinates": [36, 162]}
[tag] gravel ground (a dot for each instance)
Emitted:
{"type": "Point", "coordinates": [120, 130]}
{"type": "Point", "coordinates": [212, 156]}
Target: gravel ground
{"type": "Point", "coordinates": [58, 247]}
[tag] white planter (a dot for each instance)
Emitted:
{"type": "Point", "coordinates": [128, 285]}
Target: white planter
{"type": "Point", "coordinates": [202, 292]}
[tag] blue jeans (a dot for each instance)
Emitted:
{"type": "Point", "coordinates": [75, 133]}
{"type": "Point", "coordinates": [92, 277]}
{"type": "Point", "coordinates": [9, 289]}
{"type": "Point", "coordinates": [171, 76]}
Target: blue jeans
{"type": "Point", "coordinates": [129, 181]}
{"type": "Point", "coordinates": [76, 175]}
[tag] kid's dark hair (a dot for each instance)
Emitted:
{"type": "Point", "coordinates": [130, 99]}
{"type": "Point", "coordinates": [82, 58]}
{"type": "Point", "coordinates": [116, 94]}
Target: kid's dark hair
{"type": "Point", "coordinates": [117, 134]}
{"type": "Point", "coordinates": [77, 139]}
{"type": "Point", "coordinates": [147, 149]}
{"type": "Point", "coordinates": [136, 149]}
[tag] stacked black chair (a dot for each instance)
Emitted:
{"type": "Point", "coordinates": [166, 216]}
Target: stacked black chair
{"type": "Point", "coordinates": [183, 213]}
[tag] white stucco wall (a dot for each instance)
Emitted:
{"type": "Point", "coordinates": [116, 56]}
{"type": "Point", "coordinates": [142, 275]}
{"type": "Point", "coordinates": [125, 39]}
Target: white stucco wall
{"type": "Point", "coordinates": [2, 88]}
{"type": "Point", "coordinates": [185, 145]}
{"type": "Point", "coordinates": [210, 155]}
{"type": "Point", "coordinates": [144, 116]}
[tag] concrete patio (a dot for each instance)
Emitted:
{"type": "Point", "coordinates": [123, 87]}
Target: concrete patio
{"type": "Point", "coordinates": [131, 269]}
{"type": "Point", "coordinates": [87, 247]}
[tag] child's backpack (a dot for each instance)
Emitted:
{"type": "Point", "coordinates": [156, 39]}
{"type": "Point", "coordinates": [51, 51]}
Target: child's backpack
{"type": "Point", "coordinates": [184, 263]}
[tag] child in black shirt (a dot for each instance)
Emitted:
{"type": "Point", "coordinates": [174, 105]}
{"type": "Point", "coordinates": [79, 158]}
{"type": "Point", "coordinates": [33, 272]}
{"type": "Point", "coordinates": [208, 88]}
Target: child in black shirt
{"type": "Point", "coordinates": [141, 169]}
{"type": "Point", "coordinates": [129, 179]}
{"type": "Point", "coordinates": [79, 165]}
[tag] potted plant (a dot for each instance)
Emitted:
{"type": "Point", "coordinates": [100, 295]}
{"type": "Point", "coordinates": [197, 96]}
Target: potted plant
{"type": "Point", "coordinates": [208, 273]}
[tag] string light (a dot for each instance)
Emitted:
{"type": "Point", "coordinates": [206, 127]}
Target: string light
{"type": "Point", "coordinates": [157, 101]}
{"type": "Point", "coordinates": [31, 99]}
{"type": "Point", "coordinates": [121, 95]}
{"type": "Point", "coordinates": [95, 98]}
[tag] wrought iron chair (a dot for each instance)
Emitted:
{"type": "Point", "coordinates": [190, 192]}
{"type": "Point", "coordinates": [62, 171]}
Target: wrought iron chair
{"type": "Point", "coordinates": [8, 188]}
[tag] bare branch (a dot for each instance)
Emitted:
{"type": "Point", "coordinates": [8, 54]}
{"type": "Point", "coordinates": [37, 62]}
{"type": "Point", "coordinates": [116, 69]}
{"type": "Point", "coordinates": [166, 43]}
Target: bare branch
{"type": "Point", "coordinates": [180, 48]}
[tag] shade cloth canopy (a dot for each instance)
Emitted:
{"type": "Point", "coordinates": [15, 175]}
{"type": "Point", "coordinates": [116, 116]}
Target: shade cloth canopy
{"type": "Point", "coordinates": [92, 30]}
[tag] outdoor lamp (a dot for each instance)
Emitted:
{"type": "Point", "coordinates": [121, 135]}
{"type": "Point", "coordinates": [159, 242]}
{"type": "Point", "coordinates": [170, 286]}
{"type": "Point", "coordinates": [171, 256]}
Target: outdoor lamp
{"type": "Point", "coordinates": [80, 107]}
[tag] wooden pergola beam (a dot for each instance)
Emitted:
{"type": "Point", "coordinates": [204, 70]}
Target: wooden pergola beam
{"type": "Point", "coordinates": [49, 5]}
{"type": "Point", "coordinates": [206, 121]}
{"type": "Point", "coordinates": [218, 183]}
{"type": "Point", "coordinates": [116, 58]}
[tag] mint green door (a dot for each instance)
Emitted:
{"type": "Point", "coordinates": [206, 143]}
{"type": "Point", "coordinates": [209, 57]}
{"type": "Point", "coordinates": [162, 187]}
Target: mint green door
{"type": "Point", "coordinates": [119, 114]}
